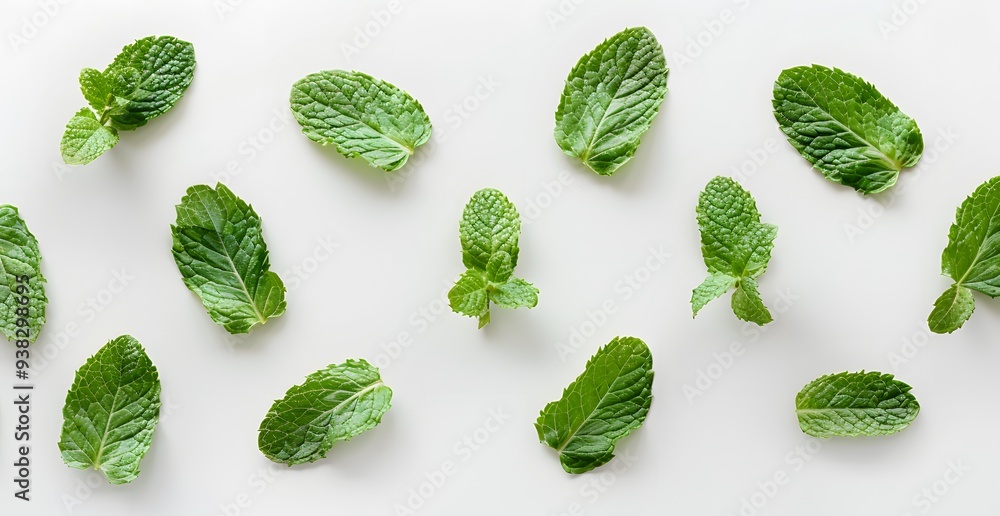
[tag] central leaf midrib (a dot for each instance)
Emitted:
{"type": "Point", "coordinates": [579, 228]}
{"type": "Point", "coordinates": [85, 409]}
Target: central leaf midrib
{"type": "Point", "coordinates": [604, 115]}
{"type": "Point", "coordinates": [856, 409]}
{"type": "Point", "coordinates": [243, 286]}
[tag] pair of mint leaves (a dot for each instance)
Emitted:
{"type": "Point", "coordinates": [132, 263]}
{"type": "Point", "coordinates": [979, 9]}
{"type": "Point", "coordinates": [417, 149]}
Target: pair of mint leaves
{"type": "Point", "coordinates": [113, 406]}
{"type": "Point", "coordinates": [610, 99]}
{"type": "Point", "coordinates": [219, 248]}
{"type": "Point", "coordinates": [604, 404]}
{"type": "Point", "coordinates": [143, 82]}
{"type": "Point", "coordinates": [112, 409]}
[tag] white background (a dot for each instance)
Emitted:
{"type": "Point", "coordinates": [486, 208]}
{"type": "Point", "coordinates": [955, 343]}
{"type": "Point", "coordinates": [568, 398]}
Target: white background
{"type": "Point", "coordinates": [860, 286]}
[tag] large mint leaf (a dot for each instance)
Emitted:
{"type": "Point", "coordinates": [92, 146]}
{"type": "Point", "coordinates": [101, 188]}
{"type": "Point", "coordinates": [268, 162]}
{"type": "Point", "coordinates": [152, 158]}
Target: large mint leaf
{"type": "Point", "coordinates": [610, 99]}
{"type": "Point", "coordinates": [971, 259]}
{"type": "Point", "coordinates": [489, 233]}
{"type": "Point", "coordinates": [111, 411]}
{"type": "Point", "coordinates": [333, 404]}
{"type": "Point", "coordinates": [22, 286]}
{"type": "Point", "coordinates": [845, 127]}
{"type": "Point", "coordinates": [147, 78]}
{"type": "Point", "coordinates": [490, 225]}
{"type": "Point", "coordinates": [855, 404]}
{"type": "Point", "coordinates": [736, 247]}
{"type": "Point", "coordinates": [360, 116]}
{"type": "Point", "coordinates": [86, 138]}
{"type": "Point", "coordinates": [220, 251]}
{"type": "Point", "coordinates": [604, 404]}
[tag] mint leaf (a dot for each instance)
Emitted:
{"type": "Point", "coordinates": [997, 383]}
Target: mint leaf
{"type": "Point", "coordinates": [747, 304]}
{"type": "Point", "coordinates": [145, 80]}
{"type": "Point", "coordinates": [489, 232]}
{"type": "Point", "coordinates": [220, 251]}
{"type": "Point", "coordinates": [515, 293]}
{"type": "Point", "coordinates": [855, 404]}
{"type": "Point", "coordinates": [333, 404]}
{"type": "Point", "coordinates": [148, 77]}
{"type": "Point", "coordinates": [736, 247]}
{"type": "Point", "coordinates": [604, 404]}
{"type": "Point", "coordinates": [970, 258]}
{"type": "Point", "coordinates": [86, 138]}
{"type": "Point", "coordinates": [111, 411]}
{"type": "Point", "coordinates": [951, 310]}
{"type": "Point", "coordinates": [22, 286]}
{"type": "Point", "coordinates": [360, 116]}
{"type": "Point", "coordinates": [845, 127]}
{"type": "Point", "coordinates": [469, 296]}
{"type": "Point", "coordinates": [96, 88]}
{"type": "Point", "coordinates": [610, 99]}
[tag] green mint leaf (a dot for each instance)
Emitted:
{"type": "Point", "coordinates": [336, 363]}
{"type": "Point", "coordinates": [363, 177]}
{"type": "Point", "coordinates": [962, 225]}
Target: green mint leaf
{"type": "Point", "coordinates": [514, 293]}
{"type": "Point", "coordinates": [469, 295]}
{"type": "Point", "coordinates": [970, 258]}
{"type": "Point", "coordinates": [845, 127]}
{"type": "Point", "coordinates": [220, 251]}
{"type": "Point", "coordinates": [96, 89]}
{"type": "Point", "coordinates": [610, 99]}
{"type": "Point", "coordinates": [747, 304]}
{"type": "Point", "coordinates": [736, 247]}
{"type": "Point", "coordinates": [86, 138]}
{"type": "Point", "coordinates": [111, 411]}
{"type": "Point", "coordinates": [604, 404]}
{"type": "Point", "coordinates": [713, 287]}
{"type": "Point", "coordinates": [489, 232]}
{"type": "Point", "coordinates": [333, 404]}
{"type": "Point", "coordinates": [855, 404]}
{"type": "Point", "coordinates": [951, 310]}
{"type": "Point", "coordinates": [22, 286]}
{"type": "Point", "coordinates": [147, 78]}
{"type": "Point", "coordinates": [360, 116]}
{"type": "Point", "coordinates": [500, 267]}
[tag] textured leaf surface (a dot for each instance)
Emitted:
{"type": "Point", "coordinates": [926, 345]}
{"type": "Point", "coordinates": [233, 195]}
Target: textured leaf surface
{"type": "Point", "coordinates": [604, 404]}
{"type": "Point", "coordinates": [111, 411]}
{"type": "Point", "coordinates": [971, 259]}
{"type": "Point", "coordinates": [489, 233]}
{"type": "Point", "coordinates": [333, 404]}
{"type": "Point", "coordinates": [855, 404]}
{"type": "Point", "coordinates": [360, 116]}
{"type": "Point", "coordinates": [845, 127]}
{"type": "Point", "coordinates": [86, 138]}
{"type": "Point", "coordinates": [736, 247]}
{"type": "Point", "coordinates": [96, 88]}
{"type": "Point", "coordinates": [220, 251]}
{"type": "Point", "coordinates": [610, 99]}
{"type": "Point", "coordinates": [22, 302]}
{"type": "Point", "coordinates": [147, 78]}
{"type": "Point", "coordinates": [469, 295]}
